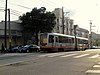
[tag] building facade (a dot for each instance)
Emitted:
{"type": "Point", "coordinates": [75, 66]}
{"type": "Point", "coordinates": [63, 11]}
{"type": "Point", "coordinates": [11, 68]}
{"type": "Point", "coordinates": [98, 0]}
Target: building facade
{"type": "Point", "coordinates": [82, 32]}
{"type": "Point", "coordinates": [14, 34]}
{"type": "Point", "coordinates": [68, 25]}
{"type": "Point", "coordinates": [58, 14]}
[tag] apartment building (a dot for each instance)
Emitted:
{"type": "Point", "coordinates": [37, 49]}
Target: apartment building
{"type": "Point", "coordinates": [58, 13]}
{"type": "Point", "coordinates": [68, 25]}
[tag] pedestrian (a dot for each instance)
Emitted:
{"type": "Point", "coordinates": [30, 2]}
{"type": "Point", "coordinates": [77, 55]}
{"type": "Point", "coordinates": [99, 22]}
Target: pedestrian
{"type": "Point", "coordinates": [2, 48]}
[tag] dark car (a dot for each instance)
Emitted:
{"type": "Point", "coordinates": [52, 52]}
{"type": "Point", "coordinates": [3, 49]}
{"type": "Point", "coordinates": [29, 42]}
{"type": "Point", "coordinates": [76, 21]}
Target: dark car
{"type": "Point", "coordinates": [30, 48]}
{"type": "Point", "coordinates": [13, 49]}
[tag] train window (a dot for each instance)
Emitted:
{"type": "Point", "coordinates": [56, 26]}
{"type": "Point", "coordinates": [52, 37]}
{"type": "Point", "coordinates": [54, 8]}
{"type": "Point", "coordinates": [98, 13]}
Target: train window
{"type": "Point", "coordinates": [72, 40]}
{"type": "Point", "coordinates": [65, 39]}
{"type": "Point", "coordinates": [69, 40]}
{"type": "Point", "coordinates": [51, 38]}
{"type": "Point", "coordinates": [43, 39]}
{"type": "Point", "coordinates": [56, 38]}
{"type": "Point", "coordinates": [60, 39]}
{"type": "Point", "coordinates": [85, 42]}
{"type": "Point", "coordinates": [80, 41]}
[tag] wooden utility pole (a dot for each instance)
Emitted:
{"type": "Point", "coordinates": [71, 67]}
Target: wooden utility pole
{"type": "Point", "coordinates": [6, 25]}
{"type": "Point", "coordinates": [62, 21]}
{"type": "Point", "coordinates": [90, 34]}
{"type": "Point", "coordinates": [75, 26]}
{"type": "Point", "coordinates": [9, 28]}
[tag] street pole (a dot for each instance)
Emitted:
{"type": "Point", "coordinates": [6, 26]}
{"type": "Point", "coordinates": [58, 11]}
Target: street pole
{"type": "Point", "coordinates": [90, 34]}
{"type": "Point", "coordinates": [75, 26]}
{"type": "Point", "coordinates": [6, 25]}
{"type": "Point", "coordinates": [62, 21]}
{"type": "Point", "coordinates": [9, 28]}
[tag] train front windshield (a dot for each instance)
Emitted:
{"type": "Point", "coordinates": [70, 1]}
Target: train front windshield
{"type": "Point", "coordinates": [43, 39]}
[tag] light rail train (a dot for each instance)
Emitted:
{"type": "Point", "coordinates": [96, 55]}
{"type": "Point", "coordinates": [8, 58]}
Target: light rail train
{"type": "Point", "coordinates": [62, 42]}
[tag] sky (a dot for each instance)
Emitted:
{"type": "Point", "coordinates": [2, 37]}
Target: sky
{"type": "Point", "coordinates": [81, 11]}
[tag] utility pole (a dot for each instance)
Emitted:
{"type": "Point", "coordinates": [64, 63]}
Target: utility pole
{"type": "Point", "coordinates": [90, 34]}
{"type": "Point", "coordinates": [75, 26]}
{"type": "Point", "coordinates": [6, 25]}
{"type": "Point", "coordinates": [62, 21]}
{"type": "Point", "coordinates": [9, 28]}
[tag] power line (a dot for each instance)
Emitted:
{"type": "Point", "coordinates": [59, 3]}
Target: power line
{"type": "Point", "coordinates": [55, 4]}
{"type": "Point", "coordinates": [21, 6]}
{"type": "Point", "coordinates": [16, 11]}
{"type": "Point", "coordinates": [52, 4]}
{"type": "Point", "coordinates": [15, 14]}
{"type": "Point", "coordinates": [18, 5]}
{"type": "Point", "coordinates": [49, 3]}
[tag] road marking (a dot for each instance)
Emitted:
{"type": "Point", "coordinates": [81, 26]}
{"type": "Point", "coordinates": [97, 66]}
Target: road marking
{"type": "Point", "coordinates": [57, 55]}
{"type": "Point", "coordinates": [99, 63]}
{"type": "Point", "coordinates": [7, 55]}
{"type": "Point", "coordinates": [11, 63]}
{"type": "Point", "coordinates": [68, 55]}
{"type": "Point", "coordinates": [93, 71]}
{"type": "Point", "coordinates": [95, 56]}
{"type": "Point", "coordinates": [81, 56]}
{"type": "Point", "coordinates": [44, 55]}
{"type": "Point", "coordinates": [14, 54]}
{"type": "Point", "coordinates": [96, 66]}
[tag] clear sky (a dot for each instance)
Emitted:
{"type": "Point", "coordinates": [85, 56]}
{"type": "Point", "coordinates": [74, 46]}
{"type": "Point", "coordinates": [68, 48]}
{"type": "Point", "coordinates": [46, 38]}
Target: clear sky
{"type": "Point", "coordinates": [81, 11]}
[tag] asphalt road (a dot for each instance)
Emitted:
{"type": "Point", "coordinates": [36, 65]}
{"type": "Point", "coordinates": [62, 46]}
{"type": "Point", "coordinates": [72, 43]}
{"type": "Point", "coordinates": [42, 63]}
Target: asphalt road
{"type": "Point", "coordinates": [60, 63]}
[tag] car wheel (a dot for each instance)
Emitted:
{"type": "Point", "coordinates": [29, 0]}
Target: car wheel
{"type": "Point", "coordinates": [27, 51]}
{"type": "Point", "coordinates": [38, 50]}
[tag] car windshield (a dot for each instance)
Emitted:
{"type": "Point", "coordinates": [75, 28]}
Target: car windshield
{"type": "Point", "coordinates": [26, 45]}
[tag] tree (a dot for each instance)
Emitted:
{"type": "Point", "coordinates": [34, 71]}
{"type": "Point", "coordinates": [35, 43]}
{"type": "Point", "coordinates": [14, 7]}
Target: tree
{"type": "Point", "coordinates": [38, 20]}
{"type": "Point", "coordinates": [96, 42]}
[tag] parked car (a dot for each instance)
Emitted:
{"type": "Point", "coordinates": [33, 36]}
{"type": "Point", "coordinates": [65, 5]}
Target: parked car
{"type": "Point", "coordinates": [13, 49]}
{"type": "Point", "coordinates": [30, 48]}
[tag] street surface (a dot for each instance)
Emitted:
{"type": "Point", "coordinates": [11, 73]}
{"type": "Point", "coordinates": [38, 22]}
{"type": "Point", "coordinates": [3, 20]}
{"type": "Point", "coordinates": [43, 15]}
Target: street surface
{"type": "Point", "coordinates": [58, 63]}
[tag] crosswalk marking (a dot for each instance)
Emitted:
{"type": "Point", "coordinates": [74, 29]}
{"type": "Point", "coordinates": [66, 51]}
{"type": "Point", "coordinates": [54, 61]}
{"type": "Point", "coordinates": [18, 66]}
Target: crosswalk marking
{"type": "Point", "coordinates": [7, 55]}
{"type": "Point", "coordinates": [44, 55]}
{"type": "Point", "coordinates": [63, 55]}
{"type": "Point", "coordinates": [52, 55]}
{"type": "Point", "coordinates": [96, 66]}
{"type": "Point", "coordinates": [81, 56]}
{"type": "Point", "coordinates": [93, 71]}
{"type": "Point", "coordinates": [57, 54]}
{"type": "Point", "coordinates": [68, 55]}
{"type": "Point", "coordinates": [99, 63]}
{"type": "Point", "coordinates": [13, 54]}
{"type": "Point", "coordinates": [95, 56]}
